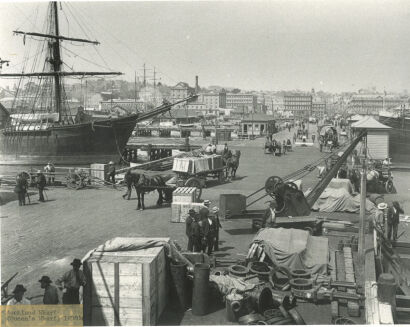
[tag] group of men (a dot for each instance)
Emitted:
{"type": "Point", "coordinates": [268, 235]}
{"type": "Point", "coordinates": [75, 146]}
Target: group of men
{"type": "Point", "coordinates": [21, 187]}
{"type": "Point", "coordinates": [202, 229]}
{"type": "Point", "coordinates": [69, 284]}
{"type": "Point", "coordinates": [389, 217]}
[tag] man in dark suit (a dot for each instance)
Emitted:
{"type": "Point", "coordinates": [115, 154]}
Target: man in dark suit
{"type": "Point", "coordinates": [41, 184]}
{"type": "Point", "coordinates": [393, 220]}
{"type": "Point", "coordinates": [188, 229]}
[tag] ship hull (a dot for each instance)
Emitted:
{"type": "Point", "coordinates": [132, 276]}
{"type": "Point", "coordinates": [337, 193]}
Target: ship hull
{"type": "Point", "coordinates": [399, 138]}
{"type": "Point", "coordinates": [78, 143]}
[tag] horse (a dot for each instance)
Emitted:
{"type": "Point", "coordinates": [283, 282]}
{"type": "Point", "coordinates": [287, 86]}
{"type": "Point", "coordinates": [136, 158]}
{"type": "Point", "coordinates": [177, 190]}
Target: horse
{"type": "Point", "coordinates": [146, 184]}
{"type": "Point", "coordinates": [232, 164]}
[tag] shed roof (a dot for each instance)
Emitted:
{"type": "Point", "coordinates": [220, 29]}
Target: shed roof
{"type": "Point", "coordinates": [356, 118]}
{"type": "Point", "coordinates": [369, 123]}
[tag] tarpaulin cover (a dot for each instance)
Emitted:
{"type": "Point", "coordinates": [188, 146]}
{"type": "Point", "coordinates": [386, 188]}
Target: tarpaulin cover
{"type": "Point", "coordinates": [340, 199]}
{"type": "Point", "coordinates": [228, 284]}
{"type": "Point", "coordinates": [295, 249]}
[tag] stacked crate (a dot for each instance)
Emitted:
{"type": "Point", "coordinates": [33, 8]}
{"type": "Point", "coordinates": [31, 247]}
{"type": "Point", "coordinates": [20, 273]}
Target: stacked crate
{"type": "Point", "coordinates": [126, 287]}
{"type": "Point", "coordinates": [195, 165]}
{"type": "Point", "coordinates": [183, 199]}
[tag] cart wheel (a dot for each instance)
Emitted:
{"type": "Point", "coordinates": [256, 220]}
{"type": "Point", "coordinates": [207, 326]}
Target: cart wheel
{"type": "Point", "coordinates": [389, 186]}
{"type": "Point", "coordinates": [195, 182]}
{"type": "Point", "coordinates": [271, 183]}
{"type": "Point", "coordinates": [74, 181]}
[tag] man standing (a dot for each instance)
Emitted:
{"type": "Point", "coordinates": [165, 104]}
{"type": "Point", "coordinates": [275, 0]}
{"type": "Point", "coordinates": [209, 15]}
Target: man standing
{"type": "Point", "coordinates": [70, 283]}
{"type": "Point", "coordinates": [18, 296]}
{"type": "Point", "coordinates": [313, 138]}
{"type": "Point", "coordinates": [111, 173]}
{"type": "Point", "coordinates": [215, 211]}
{"type": "Point", "coordinates": [208, 228]}
{"type": "Point", "coordinates": [196, 234]}
{"type": "Point", "coordinates": [41, 184]}
{"type": "Point", "coordinates": [20, 190]}
{"type": "Point", "coordinates": [50, 291]}
{"type": "Point", "coordinates": [50, 170]}
{"type": "Point", "coordinates": [393, 214]}
{"type": "Point", "coordinates": [269, 217]}
{"type": "Point", "coordinates": [188, 229]}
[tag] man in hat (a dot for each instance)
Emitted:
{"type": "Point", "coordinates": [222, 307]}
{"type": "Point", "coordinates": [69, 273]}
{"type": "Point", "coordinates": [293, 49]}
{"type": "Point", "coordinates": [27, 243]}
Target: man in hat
{"type": "Point", "coordinates": [269, 216]}
{"type": "Point", "coordinates": [41, 184]}
{"type": "Point", "coordinates": [208, 230]}
{"type": "Point", "coordinates": [208, 149]}
{"type": "Point", "coordinates": [18, 296]}
{"type": "Point", "coordinates": [70, 283]}
{"type": "Point", "coordinates": [393, 214]}
{"type": "Point", "coordinates": [111, 172]}
{"type": "Point", "coordinates": [215, 214]}
{"type": "Point", "coordinates": [207, 204]}
{"type": "Point", "coordinates": [378, 219]}
{"type": "Point", "coordinates": [50, 170]}
{"type": "Point", "coordinates": [188, 229]}
{"type": "Point", "coordinates": [21, 189]}
{"type": "Point", "coordinates": [50, 291]}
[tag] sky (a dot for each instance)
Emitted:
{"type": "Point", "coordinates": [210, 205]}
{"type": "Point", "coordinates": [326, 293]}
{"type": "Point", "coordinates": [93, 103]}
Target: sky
{"type": "Point", "coordinates": [266, 45]}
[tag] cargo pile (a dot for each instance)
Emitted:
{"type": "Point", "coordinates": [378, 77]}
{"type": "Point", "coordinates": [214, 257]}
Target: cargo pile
{"type": "Point", "coordinates": [194, 165]}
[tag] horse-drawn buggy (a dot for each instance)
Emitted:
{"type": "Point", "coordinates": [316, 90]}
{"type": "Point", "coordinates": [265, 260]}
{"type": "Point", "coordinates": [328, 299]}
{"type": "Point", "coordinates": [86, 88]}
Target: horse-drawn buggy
{"type": "Point", "coordinates": [328, 138]}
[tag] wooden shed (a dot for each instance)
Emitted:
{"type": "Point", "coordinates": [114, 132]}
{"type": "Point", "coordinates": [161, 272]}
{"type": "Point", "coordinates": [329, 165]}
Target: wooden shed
{"type": "Point", "coordinates": [126, 287]}
{"type": "Point", "coordinates": [377, 137]}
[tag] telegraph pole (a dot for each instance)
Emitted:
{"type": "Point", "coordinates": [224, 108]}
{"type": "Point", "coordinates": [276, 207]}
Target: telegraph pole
{"type": "Point", "coordinates": [363, 203]}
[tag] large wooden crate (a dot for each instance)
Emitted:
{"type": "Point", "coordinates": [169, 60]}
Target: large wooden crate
{"type": "Point", "coordinates": [99, 170]}
{"type": "Point", "coordinates": [180, 210]}
{"type": "Point", "coordinates": [184, 194]}
{"type": "Point", "coordinates": [126, 287]}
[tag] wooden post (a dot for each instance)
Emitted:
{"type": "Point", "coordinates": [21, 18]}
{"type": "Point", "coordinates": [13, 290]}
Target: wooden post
{"type": "Point", "coordinates": [362, 206]}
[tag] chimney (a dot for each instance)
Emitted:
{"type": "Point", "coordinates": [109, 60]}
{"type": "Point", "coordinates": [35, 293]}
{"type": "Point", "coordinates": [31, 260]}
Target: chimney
{"type": "Point", "coordinates": [196, 84]}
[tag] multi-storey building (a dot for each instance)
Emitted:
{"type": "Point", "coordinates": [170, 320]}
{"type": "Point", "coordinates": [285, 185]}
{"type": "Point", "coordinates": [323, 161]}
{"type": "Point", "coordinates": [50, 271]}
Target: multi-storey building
{"type": "Point", "coordinates": [214, 100]}
{"type": "Point", "coordinates": [180, 91]}
{"type": "Point", "coordinates": [300, 105]}
{"type": "Point", "coordinates": [319, 109]}
{"type": "Point", "coordinates": [241, 102]}
{"type": "Point", "coordinates": [371, 104]}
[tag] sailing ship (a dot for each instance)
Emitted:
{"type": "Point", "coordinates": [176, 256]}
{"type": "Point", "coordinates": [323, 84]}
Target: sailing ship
{"type": "Point", "coordinates": [45, 130]}
{"type": "Point", "coordinates": [399, 137]}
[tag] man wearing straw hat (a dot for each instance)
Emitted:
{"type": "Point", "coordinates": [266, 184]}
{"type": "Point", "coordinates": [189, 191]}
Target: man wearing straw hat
{"type": "Point", "coordinates": [378, 219]}
{"type": "Point", "coordinates": [18, 296]}
{"type": "Point", "coordinates": [215, 213]}
{"type": "Point", "coordinates": [50, 291]}
{"type": "Point", "coordinates": [72, 281]}
{"type": "Point", "coordinates": [41, 184]}
{"type": "Point", "coordinates": [393, 214]}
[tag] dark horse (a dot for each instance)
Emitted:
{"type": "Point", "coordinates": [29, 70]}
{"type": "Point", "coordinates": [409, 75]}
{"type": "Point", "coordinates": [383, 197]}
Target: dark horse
{"type": "Point", "coordinates": [232, 164]}
{"type": "Point", "coordinates": [146, 184]}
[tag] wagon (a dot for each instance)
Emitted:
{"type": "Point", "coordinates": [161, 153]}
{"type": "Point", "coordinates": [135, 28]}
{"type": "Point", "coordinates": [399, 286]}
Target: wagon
{"type": "Point", "coordinates": [77, 179]}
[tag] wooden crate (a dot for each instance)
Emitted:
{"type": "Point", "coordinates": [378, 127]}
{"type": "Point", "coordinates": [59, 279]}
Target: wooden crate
{"type": "Point", "coordinates": [180, 210]}
{"type": "Point", "coordinates": [126, 287]}
{"type": "Point", "coordinates": [184, 194]}
{"type": "Point", "coordinates": [99, 170]}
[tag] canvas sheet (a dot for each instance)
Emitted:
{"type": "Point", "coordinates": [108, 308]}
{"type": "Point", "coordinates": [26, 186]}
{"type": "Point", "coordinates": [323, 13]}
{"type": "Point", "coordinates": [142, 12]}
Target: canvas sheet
{"type": "Point", "coordinates": [295, 249]}
{"type": "Point", "coordinates": [340, 200]}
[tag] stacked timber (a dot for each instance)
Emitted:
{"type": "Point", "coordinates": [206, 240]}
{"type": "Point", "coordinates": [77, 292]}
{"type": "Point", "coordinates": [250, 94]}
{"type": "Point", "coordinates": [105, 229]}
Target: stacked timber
{"type": "Point", "coordinates": [183, 199]}
{"type": "Point", "coordinates": [126, 287]}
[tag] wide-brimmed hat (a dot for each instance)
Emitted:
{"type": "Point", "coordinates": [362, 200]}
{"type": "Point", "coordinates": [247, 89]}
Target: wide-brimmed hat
{"type": "Point", "coordinates": [45, 279]}
{"type": "Point", "coordinates": [19, 288]}
{"type": "Point", "coordinates": [76, 262]}
{"type": "Point", "coordinates": [215, 209]}
{"type": "Point", "coordinates": [191, 211]}
{"type": "Point", "coordinates": [382, 206]}
{"type": "Point", "coordinates": [111, 163]}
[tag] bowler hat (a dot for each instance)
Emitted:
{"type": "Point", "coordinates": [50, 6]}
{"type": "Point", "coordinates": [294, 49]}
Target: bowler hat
{"type": "Point", "coordinates": [207, 202]}
{"type": "Point", "coordinates": [382, 206]}
{"type": "Point", "coordinates": [76, 262]}
{"type": "Point", "coordinates": [19, 288]}
{"type": "Point", "coordinates": [45, 279]}
{"type": "Point", "coordinates": [191, 211]}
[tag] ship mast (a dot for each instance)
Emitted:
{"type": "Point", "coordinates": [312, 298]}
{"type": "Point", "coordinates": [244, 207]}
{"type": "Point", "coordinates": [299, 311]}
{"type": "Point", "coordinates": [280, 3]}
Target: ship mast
{"type": "Point", "coordinates": [56, 62]}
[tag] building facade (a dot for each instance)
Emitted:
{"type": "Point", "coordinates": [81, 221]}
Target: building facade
{"type": "Point", "coordinates": [242, 102]}
{"type": "Point", "coordinates": [319, 109]}
{"type": "Point", "coordinates": [372, 104]}
{"type": "Point", "coordinates": [180, 91]}
{"type": "Point", "coordinates": [300, 105]}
